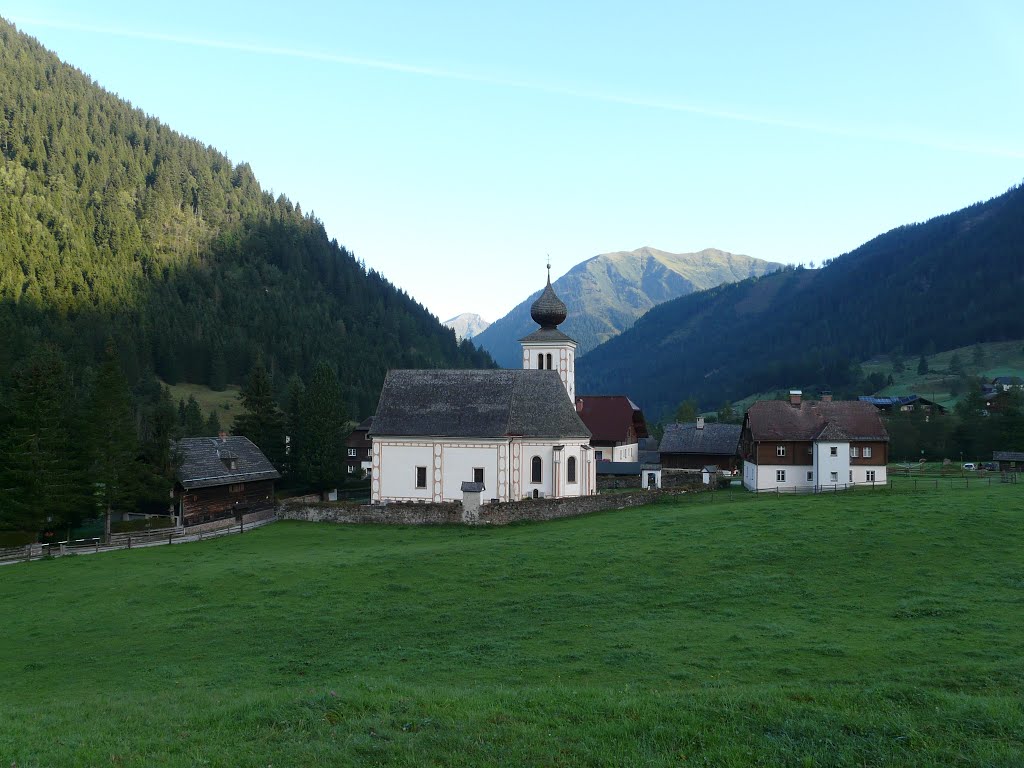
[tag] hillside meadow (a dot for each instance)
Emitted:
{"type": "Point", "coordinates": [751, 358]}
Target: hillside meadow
{"type": "Point", "coordinates": [868, 628]}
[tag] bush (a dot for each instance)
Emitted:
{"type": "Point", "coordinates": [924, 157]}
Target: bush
{"type": "Point", "coordinates": [17, 538]}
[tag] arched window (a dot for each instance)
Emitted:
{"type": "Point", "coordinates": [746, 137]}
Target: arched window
{"type": "Point", "coordinates": [540, 361]}
{"type": "Point", "coordinates": [549, 361]}
{"type": "Point", "coordinates": [535, 468]}
{"type": "Point", "coordinates": [570, 469]}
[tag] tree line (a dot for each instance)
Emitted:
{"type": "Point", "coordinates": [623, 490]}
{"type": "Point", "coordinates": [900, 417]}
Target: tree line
{"type": "Point", "coordinates": [83, 446]}
{"type": "Point", "coordinates": [115, 226]}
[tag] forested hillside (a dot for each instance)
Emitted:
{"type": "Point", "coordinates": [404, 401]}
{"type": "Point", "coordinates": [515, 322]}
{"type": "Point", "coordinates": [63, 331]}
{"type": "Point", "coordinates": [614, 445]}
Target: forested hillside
{"type": "Point", "coordinates": [953, 281]}
{"type": "Point", "coordinates": [114, 226]}
{"type": "Point", "coordinates": [607, 293]}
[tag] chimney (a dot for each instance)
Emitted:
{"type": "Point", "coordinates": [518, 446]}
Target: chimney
{"type": "Point", "coordinates": [579, 405]}
{"type": "Point", "coordinates": [826, 396]}
{"type": "Point", "coordinates": [795, 396]}
{"type": "Point", "coordinates": [223, 436]}
{"type": "Point", "coordinates": [700, 422]}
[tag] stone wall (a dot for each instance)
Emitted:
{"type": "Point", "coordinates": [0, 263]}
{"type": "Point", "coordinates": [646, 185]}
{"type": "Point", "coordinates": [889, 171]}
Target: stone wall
{"type": "Point", "coordinates": [451, 513]}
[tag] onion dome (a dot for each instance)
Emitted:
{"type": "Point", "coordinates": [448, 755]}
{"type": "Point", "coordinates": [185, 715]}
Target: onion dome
{"type": "Point", "coordinates": [548, 310]}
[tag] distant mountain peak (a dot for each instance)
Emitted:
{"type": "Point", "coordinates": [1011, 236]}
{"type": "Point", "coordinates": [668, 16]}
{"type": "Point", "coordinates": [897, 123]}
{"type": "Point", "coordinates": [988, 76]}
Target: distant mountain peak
{"type": "Point", "coordinates": [605, 294]}
{"type": "Point", "coordinates": [467, 325]}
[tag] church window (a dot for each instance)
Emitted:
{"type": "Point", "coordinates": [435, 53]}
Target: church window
{"type": "Point", "coordinates": [540, 362]}
{"type": "Point", "coordinates": [570, 469]}
{"type": "Point", "coordinates": [421, 477]}
{"type": "Point", "coordinates": [535, 469]}
{"type": "Point", "coordinates": [478, 474]}
{"type": "Point", "coordinates": [549, 361]}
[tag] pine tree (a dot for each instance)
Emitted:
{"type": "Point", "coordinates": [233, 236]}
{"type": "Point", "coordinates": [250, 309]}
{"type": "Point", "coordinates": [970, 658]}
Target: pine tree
{"type": "Point", "coordinates": [293, 426]}
{"type": "Point", "coordinates": [324, 429]}
{"type": "Point", "coordinates": [162, 430]}
{"type": "Point", "coordinates": [117, 475]}
{"type": "Point", "coordinates": [262, 421]}
{"type": "Point", "coordinates": [195, 424]}
{"type": "Point", "coordinates": [922, 366]}
{"type": "Point", "coordinates": [39, 484]}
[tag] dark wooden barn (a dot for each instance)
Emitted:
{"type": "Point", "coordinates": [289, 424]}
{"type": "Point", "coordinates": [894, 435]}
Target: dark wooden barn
{"type": "Point", "coordinates": [221, 478]}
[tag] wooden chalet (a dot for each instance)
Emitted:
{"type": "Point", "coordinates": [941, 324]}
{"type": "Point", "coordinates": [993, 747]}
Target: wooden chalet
{"type": "Point", "coordinates": [1009, 461]}
{"type": "Point", "coordinates": [700, 445]}
{"type": "Point", "coordinates": [220, 478]}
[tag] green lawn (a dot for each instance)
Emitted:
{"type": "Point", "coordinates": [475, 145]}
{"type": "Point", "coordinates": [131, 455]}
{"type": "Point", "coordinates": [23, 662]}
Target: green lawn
{"type": "Point", "coordinates": [852, 629]}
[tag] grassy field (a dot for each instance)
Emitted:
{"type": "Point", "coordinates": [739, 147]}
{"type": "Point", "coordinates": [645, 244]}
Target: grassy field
{"type": "Point", "coordinates": [226, 404]}
{"type": "Point", "coordinates": [856, 629]}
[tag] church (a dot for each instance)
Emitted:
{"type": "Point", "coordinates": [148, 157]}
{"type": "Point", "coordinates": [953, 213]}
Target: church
{"type": "Point", "coordinates": [516, 433]}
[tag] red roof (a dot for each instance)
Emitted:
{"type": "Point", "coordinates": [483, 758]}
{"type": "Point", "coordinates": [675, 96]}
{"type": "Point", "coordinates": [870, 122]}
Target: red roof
{"type": "Point", "coordinates": [609, 418]}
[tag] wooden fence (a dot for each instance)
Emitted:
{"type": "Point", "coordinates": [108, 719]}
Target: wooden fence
{"type": "Point", "coordinates": [133, 540]}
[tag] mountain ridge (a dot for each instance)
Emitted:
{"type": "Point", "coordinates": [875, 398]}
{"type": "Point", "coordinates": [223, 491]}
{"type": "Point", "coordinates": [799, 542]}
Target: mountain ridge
{"type": "Point", "coordinates": [951, 281]}
{"type": "Point", "coordinates": [118, 227]}
{"type": "Point", "coordinates": [607, 293]}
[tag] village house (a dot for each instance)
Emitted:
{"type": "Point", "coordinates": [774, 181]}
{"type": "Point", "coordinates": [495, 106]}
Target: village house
{"type": "Point", "coordinates": [359, 450]}
{"type": "Point", "coordinates": [616, 424]}
{"type": "Point", "coordinates": [514, 434]}
{"type": "Point", "coordinates": [700, 445]}
{"type": "Point", "coordinates": [806, 445]}
{"type": "Point", "coordinates": [219, 478]}
{"type": "Point", "coordinates": [1009, 461]}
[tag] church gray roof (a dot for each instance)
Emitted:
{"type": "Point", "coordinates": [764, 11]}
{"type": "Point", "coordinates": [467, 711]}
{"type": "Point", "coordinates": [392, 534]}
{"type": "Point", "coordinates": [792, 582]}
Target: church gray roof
{"type": "Point", "coordinates": [475, 403]}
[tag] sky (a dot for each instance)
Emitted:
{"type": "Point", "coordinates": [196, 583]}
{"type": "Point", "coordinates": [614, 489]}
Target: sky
{"type": "Point", "coordinates": [454, 146]}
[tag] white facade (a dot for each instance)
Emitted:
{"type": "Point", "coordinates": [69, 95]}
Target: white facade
{"type": "Point", "coordinates": [629, 452]}
{"type": "Point", "coordinates": [556, 356]}
{"type": "Point", "coordinates": [829, 469]}
{"type": "Point", "coordinates": [433, 469]}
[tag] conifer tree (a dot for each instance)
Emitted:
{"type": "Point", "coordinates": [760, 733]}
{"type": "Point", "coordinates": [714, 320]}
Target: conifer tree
{"type": "Point", "coordinates": [117, 475]}
{"type": "Point", "coordinates": [262, 421]}
{"type": "Point", "coordinates": [39, 484]}
{"type": "Point", "coordinates": [324, 429]}
{"type": "Point", "coordinates": [293, 426]}
{"type": "Point", "coordinates": [195, 424]}
{"type": "Point", "coordinates": [922, 366]}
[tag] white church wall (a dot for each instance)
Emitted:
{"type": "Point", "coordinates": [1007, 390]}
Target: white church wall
{"type": "Point", "coordinates": [395, 473]}
{"type": "Point", "coordinates": [458, 462]}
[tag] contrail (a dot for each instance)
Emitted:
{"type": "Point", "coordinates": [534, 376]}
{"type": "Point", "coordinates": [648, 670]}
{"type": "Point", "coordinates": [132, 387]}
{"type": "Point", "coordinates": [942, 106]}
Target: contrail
{"type": "Point", "coordinates": [599, 96]}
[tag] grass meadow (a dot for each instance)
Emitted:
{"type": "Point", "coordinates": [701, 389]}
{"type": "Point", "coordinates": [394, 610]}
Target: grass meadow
{"type": "Point", "coordinates": [857, 629]}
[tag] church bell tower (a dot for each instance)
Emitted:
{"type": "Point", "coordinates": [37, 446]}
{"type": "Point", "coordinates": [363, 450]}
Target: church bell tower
{"type": "Point", "coordinates": [548, 348]}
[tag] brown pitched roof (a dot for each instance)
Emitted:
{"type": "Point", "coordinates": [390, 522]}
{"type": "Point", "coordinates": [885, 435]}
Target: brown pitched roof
{"type": "Point", "coordinates": [835, 420]}
{"type": "Point", "coordinates": [609, 417]}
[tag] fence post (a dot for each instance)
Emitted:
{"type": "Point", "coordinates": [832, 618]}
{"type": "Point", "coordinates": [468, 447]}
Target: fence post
{"type": "Point", "coordinates": [28, 553]}
{"type": "Point", "coordinates": [97, 544]}
{"type": "Point", "coordinates": [129, 541]}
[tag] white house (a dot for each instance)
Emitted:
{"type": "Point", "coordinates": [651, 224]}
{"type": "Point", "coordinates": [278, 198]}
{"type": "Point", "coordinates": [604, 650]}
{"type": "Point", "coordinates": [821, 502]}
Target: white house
{"type": "Point", "coordinates": [806, 445]}
{"type": "Point", "coordinates": [515, 431]}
